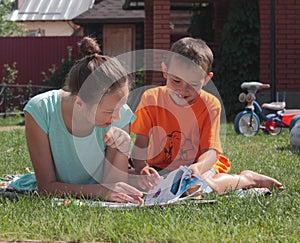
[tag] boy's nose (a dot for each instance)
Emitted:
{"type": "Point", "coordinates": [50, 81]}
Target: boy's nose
{"type": "Point", "coordinates": [183, 89]}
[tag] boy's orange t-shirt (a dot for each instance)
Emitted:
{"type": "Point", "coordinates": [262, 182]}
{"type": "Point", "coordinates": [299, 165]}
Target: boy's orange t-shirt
{"type": "Point", "coordinates": [177, 134]}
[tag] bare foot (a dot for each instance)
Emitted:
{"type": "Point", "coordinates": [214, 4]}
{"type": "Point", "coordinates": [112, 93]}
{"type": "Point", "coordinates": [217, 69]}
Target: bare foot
{"type": "Point", "coordinates": [260, 180]}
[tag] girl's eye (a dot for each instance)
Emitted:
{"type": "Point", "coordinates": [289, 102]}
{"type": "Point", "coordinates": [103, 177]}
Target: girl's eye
{"type": "Point", "coordinates": [108, 112]}
{"type": "Point", "coordinates": [175, 80]}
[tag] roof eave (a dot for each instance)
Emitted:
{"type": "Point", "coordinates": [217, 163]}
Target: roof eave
{"type": "Point", "coordinates": [109, 21]}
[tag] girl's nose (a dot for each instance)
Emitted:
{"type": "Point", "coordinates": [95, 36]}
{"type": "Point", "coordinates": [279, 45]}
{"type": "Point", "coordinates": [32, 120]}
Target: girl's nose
{"type": "Point", "coordinates": [116, 115]}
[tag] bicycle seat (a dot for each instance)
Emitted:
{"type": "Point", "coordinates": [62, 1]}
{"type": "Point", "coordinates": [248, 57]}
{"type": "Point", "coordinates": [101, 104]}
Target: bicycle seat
{"type": "Point", "coordinates": [254, 86]}
{"type": "Point", "coordinates": [275, 106]}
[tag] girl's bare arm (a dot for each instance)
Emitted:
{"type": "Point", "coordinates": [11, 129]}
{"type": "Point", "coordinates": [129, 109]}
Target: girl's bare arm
{"type": "Point", "coordinates": [40, 154]}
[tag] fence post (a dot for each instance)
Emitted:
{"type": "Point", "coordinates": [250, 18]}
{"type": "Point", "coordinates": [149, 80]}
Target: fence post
{"type": "Point", "coordinates": [5, 100]}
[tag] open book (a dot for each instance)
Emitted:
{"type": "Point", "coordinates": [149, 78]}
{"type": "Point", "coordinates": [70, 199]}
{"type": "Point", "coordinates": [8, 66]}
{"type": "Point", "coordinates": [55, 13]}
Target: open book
{"type": "Point", "coordinates": [170, 189]}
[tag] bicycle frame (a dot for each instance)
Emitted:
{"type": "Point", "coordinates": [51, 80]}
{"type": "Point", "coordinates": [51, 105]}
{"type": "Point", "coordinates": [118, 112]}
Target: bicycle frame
{"type": "Point", "coordinates": [277, 118]}
{"type": "Point", "coordinates": [262, 113]}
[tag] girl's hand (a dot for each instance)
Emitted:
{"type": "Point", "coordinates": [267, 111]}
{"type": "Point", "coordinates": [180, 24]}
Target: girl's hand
{"type": "Point", "coordinates": [122, 192]}
{"type": "Point", "coordinates": [148, 178]}
{"type": "Point", "coordinates": [119, 139]}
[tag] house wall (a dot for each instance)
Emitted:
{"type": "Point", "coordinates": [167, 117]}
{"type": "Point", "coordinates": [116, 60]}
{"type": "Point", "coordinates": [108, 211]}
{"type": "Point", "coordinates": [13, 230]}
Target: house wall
{"type": "Point", "coordinates": [34, 55]}
{"type": "Point", "coordinates": [54, 28]}
{"type": "Point", "coordinates": [287, 50]}
{"type": "Point", "coordinates": [96, 31]}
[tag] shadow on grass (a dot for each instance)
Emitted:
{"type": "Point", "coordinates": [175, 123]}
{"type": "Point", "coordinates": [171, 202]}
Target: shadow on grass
{"type": "Point", "coordinates": [21, 123]}
{"type": "Point", "coordinates": [293, 149]}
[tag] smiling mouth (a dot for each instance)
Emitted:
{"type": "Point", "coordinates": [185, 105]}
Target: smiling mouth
{"type": "Point", "coordinates": [180, 96]}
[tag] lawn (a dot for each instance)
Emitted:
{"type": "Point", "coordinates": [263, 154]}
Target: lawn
{"type": "Point", "coordinates": [231, 219]}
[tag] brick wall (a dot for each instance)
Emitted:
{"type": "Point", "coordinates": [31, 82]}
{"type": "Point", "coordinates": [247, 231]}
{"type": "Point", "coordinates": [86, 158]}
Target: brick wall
{"type": "Point", "coordinates": [157, 36]}
{"type": "Point", "coordinates": [220, 18]}
{"type": "Point", "coordinates": [287, 46]}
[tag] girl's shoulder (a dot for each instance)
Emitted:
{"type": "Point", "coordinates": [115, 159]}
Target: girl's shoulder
{"type": "Point", "coordinates": [46, 97]}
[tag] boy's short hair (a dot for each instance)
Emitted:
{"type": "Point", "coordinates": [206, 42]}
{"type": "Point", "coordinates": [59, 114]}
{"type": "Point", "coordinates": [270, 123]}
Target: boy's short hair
{"type": "Point", "coordinates": [193, 49]}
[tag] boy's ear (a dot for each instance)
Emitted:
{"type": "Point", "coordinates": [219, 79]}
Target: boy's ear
{"type": "Point", "coordinates": [164, 70]}
{"type": "Point", "coordinates": [208, 77]}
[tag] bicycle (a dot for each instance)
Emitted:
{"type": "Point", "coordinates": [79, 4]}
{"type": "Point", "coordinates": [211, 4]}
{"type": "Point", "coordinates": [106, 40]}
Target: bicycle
{"type": "Point", "coordinates": [274, 115]}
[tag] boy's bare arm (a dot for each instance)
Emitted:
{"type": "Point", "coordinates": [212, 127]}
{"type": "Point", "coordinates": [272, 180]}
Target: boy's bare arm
{"type": "Point", "coordinates": [205, 162]}
{"type": "Point", "coordinates": [140, 152]}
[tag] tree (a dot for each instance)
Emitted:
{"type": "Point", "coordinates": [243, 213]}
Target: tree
{"type": "Point", "coordinates": [201, 25]}
{"type": "Point", "coordinates": [9, 28]}
{"type": "Point", "coordinates": [238, 59]}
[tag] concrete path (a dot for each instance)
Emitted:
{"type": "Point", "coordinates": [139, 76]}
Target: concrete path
{"type": "Point", "coordinates": [10, 128]}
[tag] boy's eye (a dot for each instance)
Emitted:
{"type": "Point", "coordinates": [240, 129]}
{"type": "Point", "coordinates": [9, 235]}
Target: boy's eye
{"type": "Point", "coordinates": [195, 84]}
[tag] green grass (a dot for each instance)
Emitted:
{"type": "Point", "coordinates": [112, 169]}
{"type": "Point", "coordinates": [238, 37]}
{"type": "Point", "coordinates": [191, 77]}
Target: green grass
{"type": "Point", "coordinates": [230, 219]}
{"type": "Point", "coordinates": [16, 120]}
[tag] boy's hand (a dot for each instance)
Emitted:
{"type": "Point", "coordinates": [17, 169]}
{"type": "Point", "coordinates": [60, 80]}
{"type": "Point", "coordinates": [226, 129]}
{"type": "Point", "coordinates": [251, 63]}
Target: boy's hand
{"type": "Point", "coordinates": [119, 139]}
{"type": "Point", "coordinates": [148, 178]}
{"type": "Point", "coordinates": [195, 169]}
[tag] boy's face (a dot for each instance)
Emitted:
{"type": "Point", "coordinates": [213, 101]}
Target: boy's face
{"type": "Point", "coordinates": [184, 81]}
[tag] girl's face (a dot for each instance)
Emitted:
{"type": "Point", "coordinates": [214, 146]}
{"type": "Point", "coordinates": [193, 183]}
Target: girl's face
{"type": "Point", "coordinates": [108, 110]}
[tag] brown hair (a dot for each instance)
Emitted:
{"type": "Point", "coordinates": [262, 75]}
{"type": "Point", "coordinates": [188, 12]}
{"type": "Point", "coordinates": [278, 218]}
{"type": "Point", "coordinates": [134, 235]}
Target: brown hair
{"type": "Point", "coordinates": [88, 46]}
{"type": "Point", "coordinates": [195, 50]}
{"type": "Point", "coordinates": [95, 75]}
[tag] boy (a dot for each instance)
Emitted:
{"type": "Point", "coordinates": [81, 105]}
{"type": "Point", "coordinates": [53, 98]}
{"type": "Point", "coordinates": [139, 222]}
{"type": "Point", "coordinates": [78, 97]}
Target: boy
{"type": "Point", "coordinates": [178, 124]}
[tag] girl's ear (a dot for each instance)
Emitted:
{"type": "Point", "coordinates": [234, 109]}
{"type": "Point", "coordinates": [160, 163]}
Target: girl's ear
{"type": "Point", "coordinates": [77, 102]}
{"type": "Point", "coordinates": [208, 77]}
{"type": "Point", "coordinates": [164, 70]}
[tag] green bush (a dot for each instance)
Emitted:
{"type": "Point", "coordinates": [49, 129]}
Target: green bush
{"type": "Point", "coordinates": [57, 76]}
{"type": "Point", "coordinates": [238, 56]}
{"type": "Point", "coordinates": [202, 22]}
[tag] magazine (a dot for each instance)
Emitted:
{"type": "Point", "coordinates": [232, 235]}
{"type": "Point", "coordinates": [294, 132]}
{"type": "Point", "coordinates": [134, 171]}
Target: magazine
{"type": "Point", "coordinates": [171, 189]}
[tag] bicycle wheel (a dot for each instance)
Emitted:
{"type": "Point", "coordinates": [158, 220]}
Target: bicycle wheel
{"type": "Point", "coordinates": [294, 121]}
{"type": "Point", "coordinates": [246, 123]}
{"type": "Point", "coordinates": [271, 126]}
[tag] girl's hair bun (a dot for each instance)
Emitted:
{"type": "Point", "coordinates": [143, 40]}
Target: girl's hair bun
{"type": "Point", "coordinates": [88, 46]}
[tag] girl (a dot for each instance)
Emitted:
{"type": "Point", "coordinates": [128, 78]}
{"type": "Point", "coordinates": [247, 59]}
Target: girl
{"type": "Point", "coordinates": [78, 137]}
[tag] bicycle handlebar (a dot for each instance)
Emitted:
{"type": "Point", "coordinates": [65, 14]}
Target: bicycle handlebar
{"type": "Point", "coordinates": [265, 86]}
